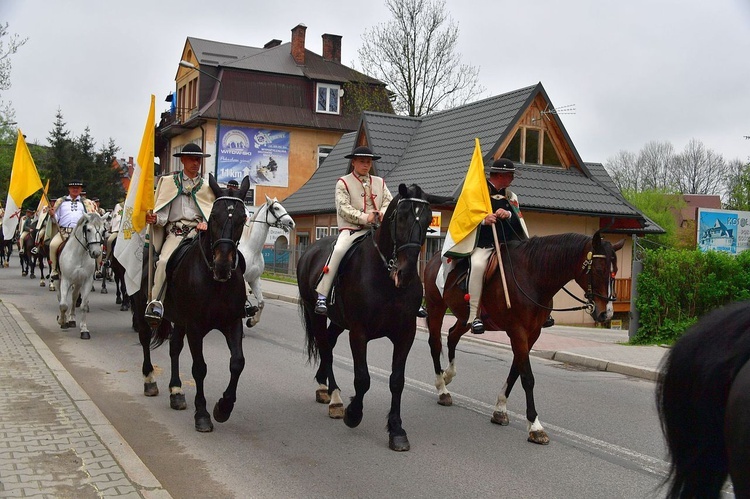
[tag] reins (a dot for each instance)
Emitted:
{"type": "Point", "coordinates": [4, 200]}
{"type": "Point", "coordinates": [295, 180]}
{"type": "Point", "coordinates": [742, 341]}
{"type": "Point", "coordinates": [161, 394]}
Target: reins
{"type": "Point", "coordinates": [222, 240]}
{"type": "Point", "coordinates": [88, 243]}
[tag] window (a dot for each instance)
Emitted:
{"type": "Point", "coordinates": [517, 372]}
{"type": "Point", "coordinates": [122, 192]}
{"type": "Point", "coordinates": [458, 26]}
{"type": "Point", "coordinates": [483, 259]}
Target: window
{"type": "Point", "coordinates": [532, 146]}
{"type": "Point", "coordinates": [333, 231]}
{"type": "Point", "coordinates": [323, 152]}
{"type": "Point", "coordinates": [320, 232]}
{"type": "Point", "coordinates": [328, 98]}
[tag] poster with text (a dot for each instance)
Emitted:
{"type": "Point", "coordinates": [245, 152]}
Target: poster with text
{"type": "Point", "coordinates": [723, 230]}
{"type": "Point", "coordinates": [262, 155]}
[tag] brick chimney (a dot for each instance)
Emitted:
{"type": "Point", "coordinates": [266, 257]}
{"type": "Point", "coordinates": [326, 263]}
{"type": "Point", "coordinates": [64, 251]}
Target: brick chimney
{"type": "Point", "coordinates": [298, 43]}
{"type": "Point", "coordinates": [332, 47]}
{"type": "Point", "coordinates": [273, 43]}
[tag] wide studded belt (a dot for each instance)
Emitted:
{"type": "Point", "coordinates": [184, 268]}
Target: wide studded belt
{"type": "Point", "coordinates": [179, 229]}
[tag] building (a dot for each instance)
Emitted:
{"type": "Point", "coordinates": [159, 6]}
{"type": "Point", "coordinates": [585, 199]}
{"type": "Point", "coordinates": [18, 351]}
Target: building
{"type": "Point", "coordinates": [558, 191]}
{"type": "Point", "coordinates": [277, 110]}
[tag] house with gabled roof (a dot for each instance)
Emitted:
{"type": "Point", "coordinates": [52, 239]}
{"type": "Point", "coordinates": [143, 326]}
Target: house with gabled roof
{"type": "Point", "coordinates": [558, 191]}
{"type": "Point", "coordinates": [272, 113]}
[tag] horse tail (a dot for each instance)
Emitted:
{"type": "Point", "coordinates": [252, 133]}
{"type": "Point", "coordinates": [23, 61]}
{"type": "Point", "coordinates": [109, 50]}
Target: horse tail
{"type": "Point", "coordinates": [691, 397]}
{"type": "Point", "coordinates": [311, 346]}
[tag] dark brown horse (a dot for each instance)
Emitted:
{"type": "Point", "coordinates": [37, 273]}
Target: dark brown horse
{"type": "Point", "coordinates": [377, 294]}
{"type": "Point", "coordinates": [703, 398]}
{"type": "Point", "coordinates": [536, 269]}
{"type": "Point", "coordinates": [118, 276]}
{"type": "Point", "coordinates": [205, 291]}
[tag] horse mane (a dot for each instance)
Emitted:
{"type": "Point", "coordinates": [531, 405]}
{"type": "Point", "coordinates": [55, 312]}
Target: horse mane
{"type": "Point", "coordinates": [548, 251]}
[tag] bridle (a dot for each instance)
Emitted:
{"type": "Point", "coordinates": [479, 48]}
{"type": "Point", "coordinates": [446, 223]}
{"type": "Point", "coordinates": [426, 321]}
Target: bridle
{"type": "Point", "coordinates": [269, 212]}
{"type": "Point", "coordinates": [224, 240]}
{"type": "Point", "coordinates": [587, 266]}
{"type": "Point", "coordinates": [418, 206]}
{"type": "Point", "coordinates": [88, 243]}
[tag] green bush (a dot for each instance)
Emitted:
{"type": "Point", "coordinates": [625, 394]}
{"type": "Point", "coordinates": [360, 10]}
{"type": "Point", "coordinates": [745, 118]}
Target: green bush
{"type": "Point", "coordinates": [676, 287]}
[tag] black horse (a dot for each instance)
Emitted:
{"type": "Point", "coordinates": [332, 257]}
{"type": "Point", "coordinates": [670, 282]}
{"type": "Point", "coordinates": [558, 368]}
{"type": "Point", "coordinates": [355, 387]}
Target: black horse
{"type": "Point", "coordinates": [6, 247]}
{"type": "Point", "coordinates": [205, 291]}
{"type": "Point", "coordinates": [536, 270]}
{"type": "Point", "coordinates": [118, 276]}
{"type": "Point", "coordinates": [377, 294]}
{"type": "Point", "coordinates": [703, 399]}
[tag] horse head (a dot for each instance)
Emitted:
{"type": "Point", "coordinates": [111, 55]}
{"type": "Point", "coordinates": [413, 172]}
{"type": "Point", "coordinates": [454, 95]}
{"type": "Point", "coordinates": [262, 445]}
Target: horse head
{"type": "Point", "coordinates": [598, 276]}
{"type": "Point", "coordinates": [89, 232]}
{"type": "Point", "coordinates": [225, 227]}
{"type": "Point", "coordinates": [404, 231]}
{"type": "Point", "coordinates": [276, 215]}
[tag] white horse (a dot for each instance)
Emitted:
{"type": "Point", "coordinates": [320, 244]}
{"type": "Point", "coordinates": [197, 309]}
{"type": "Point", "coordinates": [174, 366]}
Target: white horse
{"type": "Point", "coordinates": [77, 265]}
{"type": "Point", "coordinates": [271, 214]}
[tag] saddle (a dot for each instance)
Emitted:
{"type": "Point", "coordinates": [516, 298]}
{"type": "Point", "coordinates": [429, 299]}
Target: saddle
{"type": "Point", "coordinates": [342, 266]}
{"type": "Point", "coordinates": [462, 271]}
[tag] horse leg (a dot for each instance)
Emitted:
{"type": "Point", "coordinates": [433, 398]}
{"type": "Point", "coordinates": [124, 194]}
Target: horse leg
{"type": "Point", "coordinates": [537, 434]}
{"type": "Point", "coordinates": [223, 408]}
{"type": "Point", "coordinates": [500, 414]}
{"type": "Point", "coordinates": [258, 293]}
{"type": "Point", "coordinates": [397, 439]}
{"type": "Point", "coordinates": [333, 392]}
{"type": "Point", "coordinates": [435, 316]}
{"type": "Point", "coordinates": [353, 412]}
{"type": "Point", "coordinates": [176, 395]}
{"type": "Point", "coordinates": [85, 335]}
{"type": "Point", "coordinates": [445, 377]}
{"type": "Point", "coordinates": [62, 298]}
{"type": "Point", "coordinates": [202, 417]}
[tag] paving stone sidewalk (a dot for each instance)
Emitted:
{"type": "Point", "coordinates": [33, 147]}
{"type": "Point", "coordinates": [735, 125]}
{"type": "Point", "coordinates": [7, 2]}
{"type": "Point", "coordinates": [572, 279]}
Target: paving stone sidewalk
{"type": "Point", "coordinates": [54, 442]}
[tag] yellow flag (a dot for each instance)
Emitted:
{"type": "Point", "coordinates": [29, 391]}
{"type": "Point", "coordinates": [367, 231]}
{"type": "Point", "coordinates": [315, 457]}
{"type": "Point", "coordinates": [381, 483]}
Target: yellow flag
{"type": "Point", "coordinates": [472, 206]}
{"type": "Point", "coordinates": [24, 181]}
{"type": "Point", "coordinates": [44, 201]}
{"type": "Point", "coordinates": [144, 198]}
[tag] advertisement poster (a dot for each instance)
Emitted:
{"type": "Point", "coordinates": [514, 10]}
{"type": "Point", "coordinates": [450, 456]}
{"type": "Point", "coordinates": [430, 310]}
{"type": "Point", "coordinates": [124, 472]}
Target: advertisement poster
{"type": "Point", "coordinates": [263, 155]}
{"type": "Point", "coordinates": [723, 230]}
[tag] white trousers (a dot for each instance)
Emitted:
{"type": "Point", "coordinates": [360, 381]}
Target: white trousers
{"type": "Point", "coordinates": [343, 243]}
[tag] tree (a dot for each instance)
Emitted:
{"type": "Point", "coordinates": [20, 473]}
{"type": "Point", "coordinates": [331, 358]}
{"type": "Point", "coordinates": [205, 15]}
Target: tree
{"type": "Point", "coordinates": [59, 167]}
{"type": "Point", "coordinates": [625, 171]}
{"type": "Point", "coordinates": [8, 47]}
{"type": "Point", "coordinates": [699, 170]}
{"type": "Point", "coordinates": [660, 206]}
{"type": "Point", "coordinates": [415, 55]}
{"type": "Point", "coordinates": [738, 186]}
{"type": "Point", "coordinates": [107, 184]}
{"type": "Point", "coordinates": [655, 163]}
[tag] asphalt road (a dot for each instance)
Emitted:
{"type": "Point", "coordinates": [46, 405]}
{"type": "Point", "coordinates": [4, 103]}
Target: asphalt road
{"type": "Point", "coordinates": [605, 438]}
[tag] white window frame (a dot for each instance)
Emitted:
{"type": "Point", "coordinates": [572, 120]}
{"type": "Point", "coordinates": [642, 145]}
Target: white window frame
{"type": "Point", "coordinates": [329, 88]}
{"type": "Point", "coordinates": [323, 152]}
{"type": "Point", "coordinates": [333, 231]}
{"type": "Point", "coordinates": [320, 233]}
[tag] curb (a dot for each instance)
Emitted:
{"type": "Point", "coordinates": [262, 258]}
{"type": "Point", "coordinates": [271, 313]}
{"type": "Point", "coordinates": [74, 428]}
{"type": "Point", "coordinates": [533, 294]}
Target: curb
{"type": "Point", "coordinates": [125, 456]}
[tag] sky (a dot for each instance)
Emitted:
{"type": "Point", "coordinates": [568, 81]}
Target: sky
{"type": "Point", "coordinates": [635, 71]}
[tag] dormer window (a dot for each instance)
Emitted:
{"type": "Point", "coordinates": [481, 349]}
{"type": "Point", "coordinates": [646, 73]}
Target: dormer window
{"type": "Point", "coordinates": [328, 98]}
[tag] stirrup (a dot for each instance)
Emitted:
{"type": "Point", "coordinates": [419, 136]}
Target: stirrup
{"type": "Point", "coordinates": [477, 326]}
{"type": "Point", "coordinates": [54, 276]}
{"type": "Point", "coordinates": [154, 313]}
{"type": "Point", "coordinates": [34, 250]}
{"type": "Point", "coordinates": [321, 307]}
{"type": "Point", "coordinates": [549, 322]}
{"type": "Point", "coordinates": [422, 313]}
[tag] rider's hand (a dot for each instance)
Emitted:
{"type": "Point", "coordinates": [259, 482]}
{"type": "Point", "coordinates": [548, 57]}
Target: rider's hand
{"type": "Point", "coordinates": [502, 214]}
{"type": "Point", "coordinates": [151, 218]}
{"type": "Point", "coordinates": [373, 217]}
{"type": "Point", "coordinates": [201, 226]}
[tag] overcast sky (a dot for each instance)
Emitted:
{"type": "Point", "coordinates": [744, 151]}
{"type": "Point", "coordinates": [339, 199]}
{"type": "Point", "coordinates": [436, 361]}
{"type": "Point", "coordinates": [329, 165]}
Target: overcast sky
{"type": "Point", "coordinates": [636, 71]}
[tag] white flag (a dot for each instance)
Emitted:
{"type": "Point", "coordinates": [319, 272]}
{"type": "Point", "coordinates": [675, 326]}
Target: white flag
{"type": "Point", "coordinates": [129, 246]}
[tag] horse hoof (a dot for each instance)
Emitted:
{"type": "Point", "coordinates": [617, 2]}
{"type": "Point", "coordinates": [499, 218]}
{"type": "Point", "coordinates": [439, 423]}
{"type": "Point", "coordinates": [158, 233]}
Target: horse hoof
{"type": "Point", "coordinates": [538, 437]}
{"type": "Point", "coordinates": [150, 389]}
{"type": "Point", "coordinates": [118, 300]}
{"type": "Point", "coordinates": [445, 399]}
{"type": "Point", "coordinates": [204, 425]}
{"type": "Point", "coordinates": [85, 335]}
{"type": "Point", "coordinates": [249, 322]}
{"type": "Point", "coordinates": [350, 420]}
{"type": "Point", "coordinates": [42, 283]}
{"type": "Point", "coordinates": [104, 291]}
{"type": "Point", "coordinates": [24, 274]}
{"type": "Point", "coordinates": [322, 397]}
{"type": "Point", "coordinates": [221, 414]}
{"type": "Point", "coordinates": [336, 411]}
{"type": "Point", "coordinates": [177, 401]}
{"type": "Point", "coordinates": [500, 418]}
{"type": "Point", "coordinates": [52, 287]}
{"type": "Point", "coordinates": [71, 323]}
{"type": "Point", "coordinates": [64, 326]}
{"type": "Point", "coordinates": [399, 443]}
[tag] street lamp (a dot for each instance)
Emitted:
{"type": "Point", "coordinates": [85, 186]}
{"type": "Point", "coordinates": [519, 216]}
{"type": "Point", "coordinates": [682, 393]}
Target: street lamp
{"type": "Point", "coordinates": [190, 65]}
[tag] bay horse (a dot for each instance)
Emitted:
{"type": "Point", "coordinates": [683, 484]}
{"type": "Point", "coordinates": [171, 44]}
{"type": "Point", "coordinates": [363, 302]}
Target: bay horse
{"type": "Point", "coordinates": [377, 294]}
{"type": "Point", "coordinates": [703, 400]}
{"type": "Point", "coordinates": [270, 214]}
{"type": "Point", "coordinates": [205, 291]}
{"type": "Point", "coordinates": [536, 269]}
{"type": "Point", "coordinates": [77, 263]}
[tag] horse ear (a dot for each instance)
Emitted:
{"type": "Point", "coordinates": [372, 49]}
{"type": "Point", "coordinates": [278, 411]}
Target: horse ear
{"type": "Point", "coordinates": [403, 191]}
{"type": "Point", "coordinates": [596, 240]}
{"type": "Point", "coordinates": [618, 245]}
{"type": "Point", "coordinates": [244, 186]}
{"type": "Point", "coordinates": [214, 185]}
{"type": "Point", "coordinates": [268, 200]}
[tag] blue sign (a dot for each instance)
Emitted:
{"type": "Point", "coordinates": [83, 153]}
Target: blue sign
{"type": "Point", "coordinates": [262, 155]}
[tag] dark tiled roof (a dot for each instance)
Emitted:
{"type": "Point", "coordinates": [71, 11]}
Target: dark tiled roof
{"type": "Point", "coordinates": [434, 151]}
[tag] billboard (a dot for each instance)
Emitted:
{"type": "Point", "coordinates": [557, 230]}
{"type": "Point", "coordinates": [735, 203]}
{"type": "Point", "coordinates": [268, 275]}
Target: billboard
{"type": "Point", "coordinates": [723, 230]}
{"type": "Point", "coordinates": [262, 155]}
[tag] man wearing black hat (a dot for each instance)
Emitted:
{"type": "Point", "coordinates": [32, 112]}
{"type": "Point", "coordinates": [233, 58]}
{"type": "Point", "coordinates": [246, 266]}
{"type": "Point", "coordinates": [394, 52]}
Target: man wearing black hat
{"type": "Point", "coordinates": [511, 228]}
{"type": "Point", "coordinates": [182, 205]}
{"type": "Point", "coordinates": [66, 212]}
{"type": "Point", "coordinates": [27, 224]}
{"type": "Point", "coordinates": [233, 185]}
{"type": "Point", "coordinates": [361, 199]}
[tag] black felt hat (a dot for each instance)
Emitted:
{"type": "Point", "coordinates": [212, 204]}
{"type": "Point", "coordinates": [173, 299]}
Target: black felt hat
{"type": "Point", "coordinates": [193, 150]}
{"type": "Point", "coordinates": [502, 165]}
{"type": "Point", "coordinates": [233, 183]}
{"type": "Point", "coordinates": [362, 152]}
{"type": "Point", "coordinates": [75, 183]}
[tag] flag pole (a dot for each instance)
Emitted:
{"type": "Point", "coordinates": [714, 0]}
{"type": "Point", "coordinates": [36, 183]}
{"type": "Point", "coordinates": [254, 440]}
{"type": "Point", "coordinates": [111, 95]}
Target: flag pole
{"type": "Point", "coordinates": [150, 260]}
{"type": "Point", "coordinates": [502, 268]}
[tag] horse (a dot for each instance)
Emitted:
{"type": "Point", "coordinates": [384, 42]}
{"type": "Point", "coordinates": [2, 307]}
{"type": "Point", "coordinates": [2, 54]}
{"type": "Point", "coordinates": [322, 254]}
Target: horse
{"type": "Point", "coordinates": [377, 294]}
{"type": "Point", "coordinates": [205, 291]}
{"type": "Point", "coordinates": [28, 256]}
{"type": "Point", "coordinates": [118, 275]}
{"type": "Point", "coordinates": [703, 401]}
{"type": "Point", "coordinates": [77, 263]}
{"type": "Point", "coordinates": [536, 269]}
{"type": "Point", "coordinates": [6, 247]}
{"type": "Point", "coordinates": [271, 214]}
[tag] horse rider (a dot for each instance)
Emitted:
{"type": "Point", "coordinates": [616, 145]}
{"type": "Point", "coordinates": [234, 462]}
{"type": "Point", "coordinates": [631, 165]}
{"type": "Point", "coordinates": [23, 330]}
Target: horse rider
{"type": "Point", "coordinates": [233, 185]}
{"type": "Point", "coordinates": [506, 209]}
{"type": "Point", "coordinates": [182, 205]}
{"type": "Point", "coordinates": [114, 227]}
{"type": "Point", "coordinates": [360, 199]}
{"type": "Point", "coordinates": [99, 209]}
{"type": "Point", "coordinates": [28, 224]}
{"type": "Point", "coordinates": [66, 212]}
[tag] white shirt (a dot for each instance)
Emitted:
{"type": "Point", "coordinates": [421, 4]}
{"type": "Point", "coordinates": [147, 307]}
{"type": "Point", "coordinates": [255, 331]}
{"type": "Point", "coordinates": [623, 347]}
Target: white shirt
{"type": "Point", "coordinates": [69, 212]}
